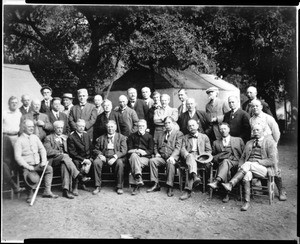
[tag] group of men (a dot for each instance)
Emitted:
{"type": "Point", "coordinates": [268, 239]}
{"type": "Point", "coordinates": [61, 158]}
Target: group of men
{"type": "Point", "coordinates": [86, 137]}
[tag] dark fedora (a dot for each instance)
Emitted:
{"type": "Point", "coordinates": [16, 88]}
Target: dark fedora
{"type": "Point", "coordinates": [31, 178]}
{"type": "Point", "coordinates": [46, 87]}
{"type": "Point", "coordinates": [204, 158]}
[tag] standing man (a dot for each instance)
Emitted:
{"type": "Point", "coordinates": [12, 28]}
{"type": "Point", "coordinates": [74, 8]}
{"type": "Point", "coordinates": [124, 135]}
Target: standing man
{"type": "Point", "coordinates": [215, 110]}
{"type": "Point", "coordinates": [46, 91]}
{"type": "Point", "coordinates": [258, 156]}
{"type": "Point", "coordinates": [80, 150]}
{"type": "Point", "coordinates": [110, 149]}
{"type": "Point", "coordinates": [182, 97]}
{"type": "Point", "coordinates": [67, 101]}
{"type": "Point", "coordinates": [140, 149]}
{"type": "Point", "coordinates": [138, 105]}
{"type": "Point", "coordinates": [252, 96]}
{"type": "Point", "coordinates": [98, 103]}
{"type": "Point", "coordinates": [166, 153]}
{"type": "Point", "coordinates": [25, 108]}
{"type": "Point", "coordinates": [55, 115]}
{"type": "Point", "coordinates": [200, 116]}
{"type": "Point", "coordinates": [193, 145]}
{"type": "Point", "coordinates": [238, 120]}
{"type": "Point", "coordinates": [227, 153]}
{"type": "Point", "coordinates": [31, 155]}
{"type": "Point", "coordinates": [42, 124]}
{"type": "Point", "coordinates": [127, 117]}
{"type": "Point", "coordinates": [146, 93]}
{"type": "Point", "coordinates": [85, 111]}
{"type": "Point", "coordinates": [57, 153]}
{"type": "Point", "coordinates": [155, 106]}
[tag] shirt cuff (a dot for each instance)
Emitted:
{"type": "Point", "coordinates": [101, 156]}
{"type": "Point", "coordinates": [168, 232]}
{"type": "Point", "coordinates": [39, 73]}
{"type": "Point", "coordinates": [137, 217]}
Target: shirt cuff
{"type": "Point", "coordinates": [115, 156]}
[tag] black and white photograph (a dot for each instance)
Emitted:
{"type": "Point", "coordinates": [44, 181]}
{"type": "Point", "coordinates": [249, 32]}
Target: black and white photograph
{"type": "Point", "coordinates": [169, 122]}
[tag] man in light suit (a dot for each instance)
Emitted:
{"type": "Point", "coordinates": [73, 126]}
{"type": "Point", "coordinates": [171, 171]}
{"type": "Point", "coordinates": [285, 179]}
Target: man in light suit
{"type": "Point", "coordinates": [238, 120]}
{"type": "Point", "coordinates": [85, 111]}
{"type": "Point", "coordinates": [138, 105]}
{"type": "Point", "coordinates": [55, 115]}
{"type": "Point", "coordinates": [57, 154]}
{"type": "Point", "coordinates": [227, 152]}
{"type": "Point", "coordinates": [193, 145]}
{"type": "Point", "coordinates": [258, 156]}
{"type": "Point", "coordinates": [80, 150]}
{"type": "Point", "coordinates": [110, 149]}
{"type": "Point", "coordinates": [25, 108]}
{"type": "Point", "coordinates": [46, 91]}
{"type": "Point", "coordinates": [166, 152]}
{"type": "Point", "coordinates": [182, 97]}
{"type": "Point", "coordinates": [42, 125]}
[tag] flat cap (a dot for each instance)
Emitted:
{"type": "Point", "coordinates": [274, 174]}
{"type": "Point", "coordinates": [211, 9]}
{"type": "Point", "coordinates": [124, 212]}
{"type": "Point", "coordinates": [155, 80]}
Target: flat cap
{"type": "Point", "coordinates": [211, 89]}
{"type": "Point", "coordinates": [45, 87]}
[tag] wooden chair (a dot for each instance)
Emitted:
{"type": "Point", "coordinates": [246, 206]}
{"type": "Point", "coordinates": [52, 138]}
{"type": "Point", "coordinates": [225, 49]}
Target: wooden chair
{"type": "Point", "coordinates": [200, 170]}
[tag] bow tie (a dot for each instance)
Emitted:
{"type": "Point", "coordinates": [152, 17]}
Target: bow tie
{"type": "Point", "coordinates": [81, 105]}
{"type": "Point", "coordinates": [193, 136]}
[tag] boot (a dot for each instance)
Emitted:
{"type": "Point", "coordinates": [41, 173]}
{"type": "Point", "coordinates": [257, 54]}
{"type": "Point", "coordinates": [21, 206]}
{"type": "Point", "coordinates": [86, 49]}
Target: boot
{"type": "Point", "coordinates": [281, 191]}
{"type": "Point", "coordinates": [156, 187]}
{"type": "Point", "coordinates": [236, 178]}
{"type": "Point", "coordinates": [197, 180]}
{"type": "Point", "coordinates": [247, 196]}
{"type": "Point", "coordinates": [47, 192]}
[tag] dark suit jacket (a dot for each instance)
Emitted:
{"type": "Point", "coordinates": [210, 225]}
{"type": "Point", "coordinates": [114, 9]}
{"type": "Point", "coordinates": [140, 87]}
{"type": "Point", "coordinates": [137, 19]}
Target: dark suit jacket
{"type": "Point", "coordinates": [265, 108]}
{"type": "Point", "coordinates": [88, 114]}
{"type": "Point", "coordinates": [44, 109]}
{"type": "Point", "coordinates": [128, 121]}
{"type": "Point", "coordinates": [52, 146]}
{"type": "Point", "coordinates": [201, 117]}
{"type": "Point", "coordinates": [141, 108]}
{"type": "Point", "coordinates": [236, 143]}
{"type": "Point", "coordinates": [23, 111]}
{"type": "Point", "coordinates": [64, 118]}
{"type": "Point", "coordinates": [239, 124]}
{"type": "Point", "coordinates": [79, 149]}
{"type": "Point", "coordinates": [171, 147]}
{"type": "Point", "coordinates": [203, 145]}
{"type": "Point", "coordinates": [120, 145]}
{"type": "Point", "coordinates": [145, 142]}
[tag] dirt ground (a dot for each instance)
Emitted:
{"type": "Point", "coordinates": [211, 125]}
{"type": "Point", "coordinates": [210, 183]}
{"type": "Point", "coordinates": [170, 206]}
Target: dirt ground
{"type": "Point", "coordinates": [154, 215]}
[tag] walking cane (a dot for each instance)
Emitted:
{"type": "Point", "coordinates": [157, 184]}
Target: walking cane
{"type": "Point", "coordinates": [38, 186]}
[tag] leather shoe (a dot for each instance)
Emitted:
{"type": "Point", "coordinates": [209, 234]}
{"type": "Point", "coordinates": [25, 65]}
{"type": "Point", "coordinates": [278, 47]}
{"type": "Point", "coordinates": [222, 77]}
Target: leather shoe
{"type": "Point", "coordinates": [83, 179]}
{"type": "Point", "coordinates": [96, 191]}
{"type": "Point", "coordinates": [214, 184]}
{"type": "Point", "coordinates": [135, 190]}
{"type": "Point", "coordinates": [75, 192]}
{"type": "Point", "coordinates": [245, 206]}
{"type": "Point", "coordinates": [197, 182]}
{"type": "Point", "coordinates": [67, 194]}
{"type": "Point", "coordinates": [185, 196]}
{"type": "Point", "coordinates": [282, 196]}
{"type": "Point", "coordinates": [226, 199]}
{"type": "Point", "coordinates": [139, 181]}
{"type": "Point", "coordinates": [227, 186]}
{"type": "Point", "coordinates": [49, 195]}
{"type": "Point", "coordinates": [120, 191]}
{"type": "Point", "coordinates": [170, 192]}
{"type": "Point", "coordinates": [156, 187]}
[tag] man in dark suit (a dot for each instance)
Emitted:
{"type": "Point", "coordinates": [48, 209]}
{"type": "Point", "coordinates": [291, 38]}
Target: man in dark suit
{"type": "Point", "coordinates": [57, 154]}
{"type": "Point", "coordinates": [55, 115]}
{"type": "Point", "coordinates": [238, 120]}
{"type": "Point", "coordinates": [138, 105]}
{"type": "Point", "coordinates": [156, 105]}
{"type": "Point", "coordinates": [227, 153]}
{"type": "Point", "coordinates": [46, 91]}
{"type": "Point", "coordinates": [182, 97]}
{"type": "Point", "coordinates": [259, 156]}
{"type": "Point", "coordinates": [85, 111]}
{"type": "Point", "coordinates": [166, 152]}
{"type": "Point", "coordinates": [200, 116]}
{"type": "Point", "coordinates": [193, 145]}
{"type": "Point", "coordinates": [252, 95]}
{"type": "Point", "coordinates": [25, 108]}
{"type": "Point", "coordinates": [102, 119]}
{"type": "Point", "coordinates": [110, 149]}
{"type": "Point", "coordinates": [42, 125]}
{"type": "Point", "coordinates": [80, 150]}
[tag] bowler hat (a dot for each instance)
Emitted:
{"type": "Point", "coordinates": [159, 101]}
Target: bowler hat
{"type": "Point", "coordinates": [31, 178]}
{"type": "Point", "coordinates": [45, 87]}
{"type": "Point", "coordinates": [68, 95]}
{"type": "Point", "coordinates": [204, 158]}
{"type": "Point", "coordinates": [211, 89]}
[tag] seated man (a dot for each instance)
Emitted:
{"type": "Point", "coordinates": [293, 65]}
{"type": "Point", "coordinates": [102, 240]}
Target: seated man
{"type": "Point", "coordinates": [80, 150]}
{"type": "Point", "coordinates": [227, 152]}
{"type": "Point", "coordinates": [110, 149]}
{"type": "Point", "coordinates": [258, 156]}
{"type": "Point", "coordinates": [31, 155]}
{"type": "Point", "coordinates": [193, 145]}
{"type": "Point", "coordinates": [140, 148]}
{"type": "Point", "coordinates": [57, 153]}
{"type": "Point", "coordinates": [166, 152]}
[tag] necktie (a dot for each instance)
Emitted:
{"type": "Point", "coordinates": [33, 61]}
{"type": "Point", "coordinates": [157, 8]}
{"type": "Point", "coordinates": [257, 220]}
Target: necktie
{"type": "Point", "coordinates": [224, 142]}
{"type": "Point", "coordinates": [232, 114]}
{"type": "Point", "coordinates": [255, 143]}
{"type": "Point", "coordinates": [57, 116]}
{"type": "Point", "coordinates": [167, 136]}
{"type": "Point", "coordinates": [109, 138]}
{"type": "Point", "coordinates": [36, 116]}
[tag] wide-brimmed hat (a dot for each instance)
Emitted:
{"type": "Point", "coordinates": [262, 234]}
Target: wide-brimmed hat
{"type": "Point", "coordinates": [204, 158]}
{"type": "Point", "coordinates": [31, 178]}
{"type": "Point", "coordinates": [46, 87]}
{"type": "Point", "coordinates": [211, 89]}
{"type": "Point", "coordinates": [68, 95]}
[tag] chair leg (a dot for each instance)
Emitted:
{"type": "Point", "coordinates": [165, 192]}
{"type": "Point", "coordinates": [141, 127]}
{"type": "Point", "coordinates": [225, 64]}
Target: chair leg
{"type": "Point", "coordinates": [18, 182]}
{"type": "Point", "coordinates": [180, 178]}
{"type": "Point", "coordinates": [203, 180]}
{"type": "Point", "coordinates": [211, 180]}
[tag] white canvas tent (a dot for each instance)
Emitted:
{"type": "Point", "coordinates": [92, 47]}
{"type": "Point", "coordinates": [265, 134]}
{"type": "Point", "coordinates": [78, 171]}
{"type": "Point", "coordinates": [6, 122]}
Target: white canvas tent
{"type": "Point", "coordinates": [170, 81]}
{"type": "Point", "coordinates": [16, 81]}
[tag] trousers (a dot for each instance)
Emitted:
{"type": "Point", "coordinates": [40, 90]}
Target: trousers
{"type": "Point", "coordinates": [224, 169]}
{"type": "Point", "coordinates": [253, 169]}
